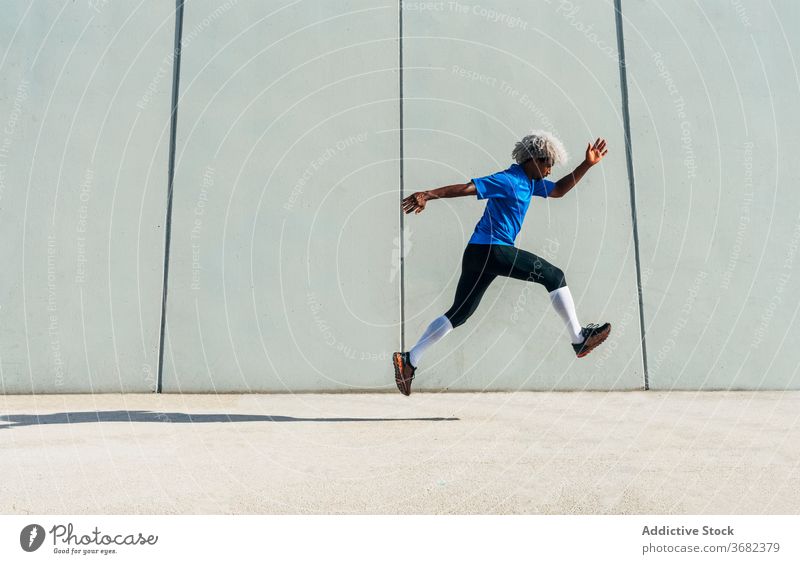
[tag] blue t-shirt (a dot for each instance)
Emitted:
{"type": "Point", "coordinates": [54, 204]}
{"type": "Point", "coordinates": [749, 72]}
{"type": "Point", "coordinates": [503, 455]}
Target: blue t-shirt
{"type": "Point", "coordinates": [509, 193]}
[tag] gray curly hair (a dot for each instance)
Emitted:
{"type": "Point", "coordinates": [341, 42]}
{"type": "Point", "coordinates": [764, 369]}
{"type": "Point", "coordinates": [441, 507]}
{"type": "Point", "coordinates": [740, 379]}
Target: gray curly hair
{"type": "Point", "coordinates": [540, 145]}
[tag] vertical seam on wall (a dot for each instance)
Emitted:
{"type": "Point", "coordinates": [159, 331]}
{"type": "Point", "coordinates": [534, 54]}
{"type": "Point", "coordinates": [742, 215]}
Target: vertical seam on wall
{"type": "Point", "coordinates": [402, 186]}
{"type": "Point", "coordinates": [626, 120]}
{"type": "Point", "coordinates": [176, 72]}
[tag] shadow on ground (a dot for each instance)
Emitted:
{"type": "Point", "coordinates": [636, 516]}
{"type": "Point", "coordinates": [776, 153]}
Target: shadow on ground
{"type": "Point", "coordinates": [22, 420]}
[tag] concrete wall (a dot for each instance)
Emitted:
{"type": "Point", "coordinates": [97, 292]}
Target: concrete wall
{"type": "Point", "coordinates": [713, 101]}
{"type": "Point", "coordinates": [84, 130]}
{"type": "Point", "coordinates": [284, 267]}
{"type": "Point", "coordinates": [286, 232]}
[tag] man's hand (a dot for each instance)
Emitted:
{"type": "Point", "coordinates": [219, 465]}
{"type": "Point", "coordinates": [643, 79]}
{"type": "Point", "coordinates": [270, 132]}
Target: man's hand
{"type": "Point", "coordinates": [596, 152]}
{"type": "Point", "coordinates": [415, 202]}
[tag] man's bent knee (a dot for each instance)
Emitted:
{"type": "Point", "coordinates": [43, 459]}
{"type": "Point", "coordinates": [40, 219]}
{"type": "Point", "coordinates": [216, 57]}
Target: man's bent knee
{"type": "Point", "coordinates": [554, 279]}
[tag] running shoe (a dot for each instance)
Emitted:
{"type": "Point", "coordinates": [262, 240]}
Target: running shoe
{"type": "Point", "coordinates": [593, 335]}
{"type": "Point", "coordinates": [403, 372]}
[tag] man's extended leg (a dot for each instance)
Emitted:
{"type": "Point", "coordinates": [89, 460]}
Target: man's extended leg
{"type": "Point", "coordinates": [469, 292]}
{"type": "Point", "coordinates": [472, 284]}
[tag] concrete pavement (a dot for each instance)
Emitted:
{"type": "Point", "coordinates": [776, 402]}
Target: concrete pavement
{"type": "Point", "coordinates": [575, 452]}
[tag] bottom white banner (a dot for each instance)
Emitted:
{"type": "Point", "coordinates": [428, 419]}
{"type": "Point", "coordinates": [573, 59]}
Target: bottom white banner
{"type": "Point", "coordinates": [389, 539]}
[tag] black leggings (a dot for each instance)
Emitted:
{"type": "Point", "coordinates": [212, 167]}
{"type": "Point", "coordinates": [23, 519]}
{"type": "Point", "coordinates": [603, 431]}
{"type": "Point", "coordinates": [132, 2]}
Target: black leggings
{"type": "Point", "coordinates": [483, 263]}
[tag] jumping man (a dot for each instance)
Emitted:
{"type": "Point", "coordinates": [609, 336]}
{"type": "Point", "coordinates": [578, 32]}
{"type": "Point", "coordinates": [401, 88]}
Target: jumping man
{"type": "Point", "coordinates": [490, 251]}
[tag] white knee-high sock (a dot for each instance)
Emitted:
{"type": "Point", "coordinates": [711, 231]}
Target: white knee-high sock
{"type": "Point", "coordinates": [562, 301]}
{"type": "Point", "coordinates": [438, 328]}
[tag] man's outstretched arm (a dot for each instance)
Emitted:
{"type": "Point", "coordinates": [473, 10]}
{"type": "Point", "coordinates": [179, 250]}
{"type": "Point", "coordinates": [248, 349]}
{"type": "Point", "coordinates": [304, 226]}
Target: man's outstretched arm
{"type": "Point", "coordinates": [416, 201]}
{"type": "Point", "coordinates": [594, 154]}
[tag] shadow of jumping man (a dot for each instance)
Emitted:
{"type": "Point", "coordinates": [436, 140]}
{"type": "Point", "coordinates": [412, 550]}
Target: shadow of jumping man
{"type": "Point", "coordinates": [143, 416]}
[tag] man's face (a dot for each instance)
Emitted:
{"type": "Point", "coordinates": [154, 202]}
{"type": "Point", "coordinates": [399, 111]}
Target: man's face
{"type": "Point", "coordinates": [543, 167]}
